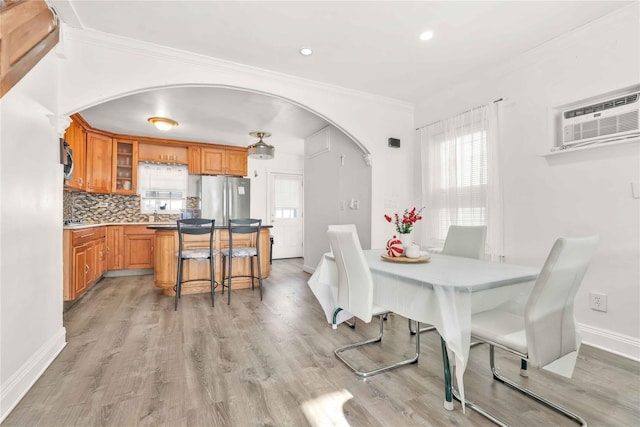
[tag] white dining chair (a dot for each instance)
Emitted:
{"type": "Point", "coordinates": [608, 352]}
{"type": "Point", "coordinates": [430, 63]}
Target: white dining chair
{"type": "Point", "coordinates": [466, 241]}
{"type": "Point", "coordinates": [542, 330]}
{"type": "Point", "coordinates": [352, 228]}
{"type": "Point", "coordinates": [355, 295]}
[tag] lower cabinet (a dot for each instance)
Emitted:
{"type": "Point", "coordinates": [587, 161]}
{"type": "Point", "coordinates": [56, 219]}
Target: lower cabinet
{"type": "Point", "coordinates": [138, 247]}
{"type": "Point", "coordinates": [85, 260]}
{"type": "Point", "coordinates": [115, 247]}
{"type": "Point", "coordinates": [90, 252]}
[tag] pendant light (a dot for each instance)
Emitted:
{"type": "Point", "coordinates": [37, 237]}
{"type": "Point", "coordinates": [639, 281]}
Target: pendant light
{"type": "Point", "coordinates": [260, 150]}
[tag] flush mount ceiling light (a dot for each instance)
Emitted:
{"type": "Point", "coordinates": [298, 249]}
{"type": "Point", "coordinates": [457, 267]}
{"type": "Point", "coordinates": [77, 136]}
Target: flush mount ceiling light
{"type": "Point", "coordinates": [306, 51]}
{"type": "Point", "coordinates": [260, 150]}
{"type": "Point", "coordinates": [162, 123]}
{"type": "Point", "coordinates": [427, 35]}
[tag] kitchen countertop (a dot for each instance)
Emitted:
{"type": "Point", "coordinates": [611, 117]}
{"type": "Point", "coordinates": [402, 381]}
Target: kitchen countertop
{"type": "Point", "coordinates": [152, 225]}
{"type": "Point", "coordinates": [102, 224]}
{"type": "Point", "coordinates": [173, 226]}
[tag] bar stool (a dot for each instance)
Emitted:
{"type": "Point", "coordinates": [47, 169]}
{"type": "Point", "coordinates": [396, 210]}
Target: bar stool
{"type": "Point", "coordinates": [248, 227]}
{"type": "Point", "coordinates": [195, 226]}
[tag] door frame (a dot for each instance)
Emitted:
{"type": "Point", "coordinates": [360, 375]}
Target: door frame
{"type": "Point", "coordinates": [270, 196]}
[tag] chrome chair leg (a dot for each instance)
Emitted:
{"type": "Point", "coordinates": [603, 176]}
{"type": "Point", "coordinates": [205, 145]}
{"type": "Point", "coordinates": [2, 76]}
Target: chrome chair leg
{"type": "Point", "coordinates": [497, 376]}
{"type": "Point", "coordinates": [365, 374]}
{"type": "Point", "coordinates": [414, 331]}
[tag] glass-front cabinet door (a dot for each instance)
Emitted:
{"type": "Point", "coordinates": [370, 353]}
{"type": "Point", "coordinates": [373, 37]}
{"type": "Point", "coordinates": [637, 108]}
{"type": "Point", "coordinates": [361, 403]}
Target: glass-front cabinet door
{"type": "Point", "coordinates": [125, 166]}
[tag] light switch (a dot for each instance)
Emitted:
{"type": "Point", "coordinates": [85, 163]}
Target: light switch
{"type": "Point", "coordinates": [354, 204]}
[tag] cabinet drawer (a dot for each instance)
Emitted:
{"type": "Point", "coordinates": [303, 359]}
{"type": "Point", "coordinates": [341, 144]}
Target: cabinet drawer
{"type": "Point", "coordinates": [79, 237]}
{"type": "Point", "coordinates": [137, 229]}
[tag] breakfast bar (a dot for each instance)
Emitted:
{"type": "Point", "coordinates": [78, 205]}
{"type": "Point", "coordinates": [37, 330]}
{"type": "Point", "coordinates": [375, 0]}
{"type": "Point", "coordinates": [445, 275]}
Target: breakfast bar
{"type": "Point", "coordinates": [166, 262]}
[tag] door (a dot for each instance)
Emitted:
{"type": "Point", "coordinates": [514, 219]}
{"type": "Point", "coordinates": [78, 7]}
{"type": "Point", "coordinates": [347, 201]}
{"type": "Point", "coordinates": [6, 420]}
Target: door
{"type": "Point", "coordinates": [286, 202]}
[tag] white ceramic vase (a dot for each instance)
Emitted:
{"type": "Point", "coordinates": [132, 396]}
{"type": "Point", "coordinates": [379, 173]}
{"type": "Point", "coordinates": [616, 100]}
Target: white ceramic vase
{"type": "Point", "coordinates": [406, 240]}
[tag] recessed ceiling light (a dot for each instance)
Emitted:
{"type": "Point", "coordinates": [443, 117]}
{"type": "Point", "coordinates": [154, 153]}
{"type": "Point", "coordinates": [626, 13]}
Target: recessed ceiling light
{"type": "Point", "coordinates": [306, 51]}
{"type": "Point", "coordinates": [426, 35]}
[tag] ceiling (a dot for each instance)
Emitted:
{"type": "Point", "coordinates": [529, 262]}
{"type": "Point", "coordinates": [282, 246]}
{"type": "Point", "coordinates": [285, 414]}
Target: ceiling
{"type": "Point", "coordinates": [367, 46]}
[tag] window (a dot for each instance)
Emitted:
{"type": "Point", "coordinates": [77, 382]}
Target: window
{"type": "Point", "coordinates": [162, 188]}
{"type": "Point", "coordinates": [460, 176]}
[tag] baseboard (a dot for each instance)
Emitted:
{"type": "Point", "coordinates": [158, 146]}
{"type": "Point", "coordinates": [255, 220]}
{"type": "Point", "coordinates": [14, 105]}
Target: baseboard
{"type": "Point", "coordinates": [622, 345]}
{"type": "Point", "coordinates": [14, 389]}
{"type": "Point", "coordinates": [308, 269]}
{"type": "Point", "coordinates": [132, 272]}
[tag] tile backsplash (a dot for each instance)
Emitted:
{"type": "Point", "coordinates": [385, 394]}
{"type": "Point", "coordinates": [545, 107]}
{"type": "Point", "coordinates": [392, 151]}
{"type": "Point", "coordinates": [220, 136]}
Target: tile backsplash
{"type": "Point", "coordinates": [104, 208]}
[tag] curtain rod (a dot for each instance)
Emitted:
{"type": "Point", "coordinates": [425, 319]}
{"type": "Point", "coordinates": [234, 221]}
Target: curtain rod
{"type": "Point", "coordinates": [466, 111]}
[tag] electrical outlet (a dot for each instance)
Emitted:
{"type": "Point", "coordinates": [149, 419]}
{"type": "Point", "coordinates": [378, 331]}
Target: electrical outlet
{"type": "Point", "coordinates": [598, 301]}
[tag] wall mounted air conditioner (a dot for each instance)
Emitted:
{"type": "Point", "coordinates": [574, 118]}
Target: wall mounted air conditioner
{"type": "Point", "coordinates": [610, 120]}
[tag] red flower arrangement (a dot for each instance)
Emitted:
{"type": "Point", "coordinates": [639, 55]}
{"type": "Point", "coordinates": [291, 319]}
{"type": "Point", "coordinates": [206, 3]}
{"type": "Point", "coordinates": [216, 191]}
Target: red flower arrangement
{"type": "Point", "coordinates": [409, 218]}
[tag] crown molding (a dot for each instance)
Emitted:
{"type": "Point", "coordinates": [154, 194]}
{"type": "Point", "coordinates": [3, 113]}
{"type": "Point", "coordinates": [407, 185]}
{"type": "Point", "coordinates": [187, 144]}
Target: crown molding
{"type": "Point", "coordinates": [152, 50]}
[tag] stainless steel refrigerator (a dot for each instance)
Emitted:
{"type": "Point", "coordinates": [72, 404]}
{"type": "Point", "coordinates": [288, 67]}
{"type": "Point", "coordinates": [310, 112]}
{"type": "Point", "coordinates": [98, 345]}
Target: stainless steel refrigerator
{"type": "Point", "coordinates": [225, 197]}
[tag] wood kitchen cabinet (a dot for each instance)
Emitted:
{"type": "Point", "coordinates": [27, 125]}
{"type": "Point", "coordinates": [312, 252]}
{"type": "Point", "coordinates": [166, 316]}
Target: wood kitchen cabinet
{"type": "Point", "coordinates": [76, 137]}
{"type": "Point", "coordinates": [99, 162]}
{"type": "Point", "coordinates": [124, 171]}
{"type": "Point", "coordinates": [85, 260]}
{"type": "Point", "coordinates": [223, 161]}
{"type": "Point", "coordinates": [115, 247]}
{"type": "Point", "coordinates": [163, 153]}
{"type": "Point", "coordinates": [138, 247]}
{"type": "Point", "coordinates": [195, 160]}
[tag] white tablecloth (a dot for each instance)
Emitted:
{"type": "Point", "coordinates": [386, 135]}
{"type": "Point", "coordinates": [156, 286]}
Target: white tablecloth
{"type": "Point", "coordinates": [443, 292]}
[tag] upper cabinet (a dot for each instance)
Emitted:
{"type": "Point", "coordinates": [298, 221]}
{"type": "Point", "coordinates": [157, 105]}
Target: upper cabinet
{"type": "Point", "coordinates": [223, 161]}
{"type": "Point", "coordinates": [28, 30]}
{"type": "Point", "coordinates": [99, 162]}
{"type": "Point", "coordinates": [164, 153]}
{"type": "Point", "coordinates": [195, 160]}
{"type": "Point", "coordinates": [124, 171]}
{"type": "Point", "coordinates": [108, 163]}
{"type": "Point", "coordinates": [76, 137]}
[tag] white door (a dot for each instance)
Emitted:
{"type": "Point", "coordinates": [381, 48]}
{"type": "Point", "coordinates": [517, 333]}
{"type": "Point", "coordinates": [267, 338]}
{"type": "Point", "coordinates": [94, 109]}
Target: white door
{"type": "Point", "coordinates": [286, 202]}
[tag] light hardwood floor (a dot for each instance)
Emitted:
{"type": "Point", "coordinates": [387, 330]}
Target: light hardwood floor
{"type": "Point", "coordinates": [132, 361]}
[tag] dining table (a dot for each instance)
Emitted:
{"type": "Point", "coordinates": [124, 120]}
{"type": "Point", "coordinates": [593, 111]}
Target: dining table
{"type": "Point", "coordinates": [441, 290]}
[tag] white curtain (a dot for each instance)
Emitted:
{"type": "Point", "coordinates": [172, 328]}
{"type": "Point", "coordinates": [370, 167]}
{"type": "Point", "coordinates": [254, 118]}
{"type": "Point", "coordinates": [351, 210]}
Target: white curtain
{"type": "Point", "coordinates": [461, 183]}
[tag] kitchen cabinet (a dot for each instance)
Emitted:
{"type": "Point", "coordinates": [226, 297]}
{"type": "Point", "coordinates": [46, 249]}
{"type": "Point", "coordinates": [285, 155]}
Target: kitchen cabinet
{"type": "Point", "coordinates": [85, 261]}
{"type": "Point", "coordinates": [223, 161]}
{"type": "Point", "coordinates": [99, 162]}
{"type": "Point", "coordinates": [195, 161]}
{"type": "Point", "coordinates": [76, 137]}
{"type": "Point", "coordinates": [138, 247]}
{"type": "Point", "coordinates": [163, 153]}
{"type": "Point", "coordinates": [115, 247]}
{"type": "Point", "coordinates": [124, 169]}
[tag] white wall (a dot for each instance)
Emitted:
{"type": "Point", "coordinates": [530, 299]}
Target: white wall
{"type": "Point", "coordinates": [570, 194]}
{"type": "Point", "coordinates": [329, 187]}
{"type": "Point", "coordinates": [31, 331]}
{"type": "Point", "coordinates": [102, 67]}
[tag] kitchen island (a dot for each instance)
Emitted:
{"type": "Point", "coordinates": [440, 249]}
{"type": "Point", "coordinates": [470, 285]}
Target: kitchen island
{"type": "Point", "coordinates": [166, 262]}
